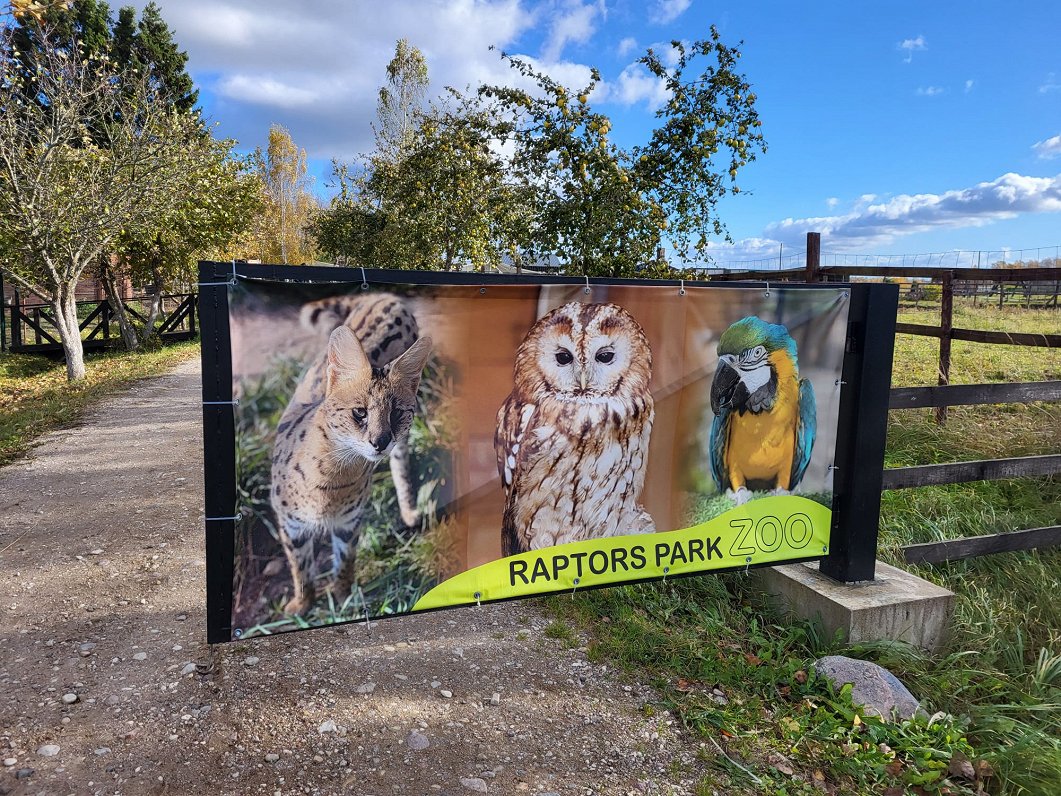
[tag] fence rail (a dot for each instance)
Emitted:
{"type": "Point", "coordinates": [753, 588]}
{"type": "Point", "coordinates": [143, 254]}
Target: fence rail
{"type": "Point", "coordinates": [30, 328]}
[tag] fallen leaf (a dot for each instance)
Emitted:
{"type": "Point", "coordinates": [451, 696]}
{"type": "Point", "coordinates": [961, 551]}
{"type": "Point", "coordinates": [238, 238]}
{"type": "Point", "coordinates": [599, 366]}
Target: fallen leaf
{"type": "Point", "coordinates": [684, 685]}
{"type": "Point", "coordinates": [818, 776]}
{"type": "Point", "coordinates": [960, 766]}
{"type": "Point", "coordinates": [894, 790]}
{"type": "Point", "coordinates": [784, 690]}
{"type": "Point", "coordinates": [753, 660]}
{"type": "Point", "coordinates": [894, 768]}
{"type": "Point", "coordinates": [848, 749]}
{"type": "Point", "coordinates": [984, 770]}
{"type": "Point", "coordinates": [800, 677]}
{"type": "Point", "coordinates": [856, 721]}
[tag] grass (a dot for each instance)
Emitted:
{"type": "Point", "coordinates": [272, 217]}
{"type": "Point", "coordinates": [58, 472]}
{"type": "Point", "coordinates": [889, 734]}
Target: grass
{"type": "Point", "coordinates": [740, 676]}
{"type": "Point", "coordinates": [36, 398]}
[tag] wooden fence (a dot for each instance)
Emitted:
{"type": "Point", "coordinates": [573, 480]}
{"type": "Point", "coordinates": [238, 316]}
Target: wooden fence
{"type": "Point", "coordinates": [1024, 283]}
{"type": "Point", "coordinates": [29, 327]}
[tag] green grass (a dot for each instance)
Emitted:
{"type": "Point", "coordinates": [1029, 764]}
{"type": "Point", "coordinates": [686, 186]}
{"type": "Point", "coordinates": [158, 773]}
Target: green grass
{"type": "Point", "coordinates": [739, 675]}
{"type": "Point", "coordinates": [36, 398]}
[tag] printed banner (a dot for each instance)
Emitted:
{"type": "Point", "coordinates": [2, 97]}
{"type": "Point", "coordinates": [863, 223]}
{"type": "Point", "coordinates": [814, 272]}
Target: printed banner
{"type": "Point", "coordinates": [406, 447]}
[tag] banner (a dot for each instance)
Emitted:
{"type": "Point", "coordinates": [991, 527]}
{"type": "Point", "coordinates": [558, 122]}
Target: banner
{"type": "Point", "coordinates": [402, 446]}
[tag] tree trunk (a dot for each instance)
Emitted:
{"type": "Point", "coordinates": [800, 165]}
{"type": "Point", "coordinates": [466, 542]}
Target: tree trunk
{"type": "Point", "coordinates": [114, 297]}
{"type": "Point", "coordinates": [156, 305]}
{"type": "Point", "coordinates": [64, 307]}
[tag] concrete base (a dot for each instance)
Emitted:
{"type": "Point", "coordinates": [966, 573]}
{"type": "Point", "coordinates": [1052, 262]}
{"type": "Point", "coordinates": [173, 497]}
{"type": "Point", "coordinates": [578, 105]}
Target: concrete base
{"type": "Point", "coordinates": [897, 606]}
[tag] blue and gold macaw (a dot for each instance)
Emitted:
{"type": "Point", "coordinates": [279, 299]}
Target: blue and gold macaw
{"type": "Point", "coordinates": [765, 420]}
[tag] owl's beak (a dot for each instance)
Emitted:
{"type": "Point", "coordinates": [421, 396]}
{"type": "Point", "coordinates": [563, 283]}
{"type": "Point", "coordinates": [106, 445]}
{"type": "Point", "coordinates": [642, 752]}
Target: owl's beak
{"type": "Point", "coordinates": [582, 378]}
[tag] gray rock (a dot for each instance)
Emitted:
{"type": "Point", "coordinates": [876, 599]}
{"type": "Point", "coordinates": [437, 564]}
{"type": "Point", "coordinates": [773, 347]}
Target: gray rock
{"type": "Point", "coordinates": [69, 699]}
{"type": "Point", "coordinates": [251, 660]}
{"type": "Point", "coordinates": [188, 668]}
{"type": "Point", "coordinates": [873, 686]}
{"type": "Point", "coordinates": [495, 698]}
{"type": "Point", "coordinates": [103, 750]}
{"type": "Point", "coordinates": [474, 784]}
{"type": "Point", "coordinates": [86, 649]}
{"type": "Point", "coordinates": [446, 694]}
{"type": "Point", "coordinates": [24, 773]}
{"type": "Point", "coordinates": [48, 750]}
{"type": "Point", "coordinates": [366, 688]}
{"type": "Point", "coordinates": [140, 656]}
{"type": "Point", "coordinates": [417, 741]}
{"type": "Point", "coordinates": [327, 726]}
{"type": "Point", "coordinates": [113, 699]}
{"type": "Point", "coordinates": [10, 761]}
{"type": "Point", "coordinates": [272, 757]}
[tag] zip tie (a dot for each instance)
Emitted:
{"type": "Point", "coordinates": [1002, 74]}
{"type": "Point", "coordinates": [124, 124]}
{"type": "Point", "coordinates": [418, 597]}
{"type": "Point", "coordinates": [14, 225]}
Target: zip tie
{"type": "Point", "coordinates": [477, 603]}
{"type": "Point", "coordinates": [681, 290]}
{"type": "Point", "coordinates": [767, 293]}
{"type": "Point", "coordinates": [832, 467]}
{"type": "Point", "coordinates": [573, 589]}
{"type": "Point", "coordinates": [364, 279]}
{"type": "Point", "coordinates": [233, 402]}
{"type": "Point", "coordinates": [665, 571]}
{"type": "Point", "coordinates": [237, 518]}
{"type": "Point", "coordinates": [587, 285]}
{"type": "Point", "coordinates": [747, 564]}
{"type": "Point", "coordinates": [233, 269]}
{"type": "Point", "coordinates": [228, 283]}
{"type": "Point", "coordinates": [839, 382]}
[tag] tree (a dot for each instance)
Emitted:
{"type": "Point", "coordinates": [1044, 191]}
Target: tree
{"type": "Point", "coordinates": [603, 209]}
{"type": "Point", "coordinates": [89, 157]}
{"type": "Point", "coordinates": [288, 208]}
{"type": "Point", "coordinates": [400, 102]}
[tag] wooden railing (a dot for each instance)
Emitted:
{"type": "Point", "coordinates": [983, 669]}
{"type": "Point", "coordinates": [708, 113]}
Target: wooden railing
{"type": "Point", "coordinates": [30, 327]}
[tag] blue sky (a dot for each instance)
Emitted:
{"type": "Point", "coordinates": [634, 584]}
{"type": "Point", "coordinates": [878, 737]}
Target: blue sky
{"type": "Point", "coordinates": [892, 127]}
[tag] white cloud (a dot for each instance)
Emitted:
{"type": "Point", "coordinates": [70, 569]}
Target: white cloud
{"type": "Point", "coordinates": [1048, 148]}
{"type": "Point", "coordinates": [929, 91]}
{"type": "Point", "coordinates": [1050, 85]}
{"type": "Point", "coordinates": [876, 223]}
{"type": "Point", "coordinates": [832, 202]}
{"type": "Point", "coordinates": [912, 44]}
{"type": "Point", "coordinates": [665, 11]}
{"type": "Point", "coordinates": [318, 73]}
{"type": "Point", "coordinates": [574, 22]}
{"type": "Point", "coordinates": [626, 46]}
{"type": "Point", "coordinates": [635, 84]}
{"type": "Point", "coordinates": [969, 85]}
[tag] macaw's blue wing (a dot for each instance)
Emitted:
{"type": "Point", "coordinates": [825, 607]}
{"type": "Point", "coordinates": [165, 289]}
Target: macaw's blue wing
{"type": "Point", "coordinates": [806, 430]}
{"type": "Point", "coordinates": [717, 444]}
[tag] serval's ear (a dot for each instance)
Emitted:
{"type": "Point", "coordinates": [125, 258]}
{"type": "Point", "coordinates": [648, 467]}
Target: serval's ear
{"type": "Point", "coordinates": [346, 358]}
{"type": "Point", "coordinates": [408, 367]}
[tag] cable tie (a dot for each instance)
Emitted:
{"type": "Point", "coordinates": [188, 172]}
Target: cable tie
{"type": "Point", "coordinates": [233, 402]}
{"type": "Point", "coordinates": [587, 285]}
{"type": "Point", "coordinates": [236, 518]}
{"type": "Point", "coordinates": [364, 279]}
{"type": "Point", "coordinates": [681, 290]}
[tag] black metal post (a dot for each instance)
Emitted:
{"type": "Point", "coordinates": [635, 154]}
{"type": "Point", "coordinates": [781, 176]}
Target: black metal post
{"type": "Point", "coordinates": [219, 449]}
{"type": "Point", "coordinates": [864, 413]}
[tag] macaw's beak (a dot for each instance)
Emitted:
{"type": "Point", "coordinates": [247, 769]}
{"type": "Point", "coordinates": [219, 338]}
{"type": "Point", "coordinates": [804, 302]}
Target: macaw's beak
{"type": "Point", "coordinates": [724, 385]}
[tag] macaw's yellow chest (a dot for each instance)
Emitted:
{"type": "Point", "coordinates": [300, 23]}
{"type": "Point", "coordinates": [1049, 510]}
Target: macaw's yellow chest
{"type": "Point", "coordinates": [761, 446]}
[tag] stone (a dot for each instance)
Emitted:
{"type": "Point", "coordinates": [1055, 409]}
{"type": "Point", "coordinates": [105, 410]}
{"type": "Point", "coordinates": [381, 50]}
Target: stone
{"type": "Point", "coordinates": [24, 773]}
{"type": "Point", "coordinates": [48, 750]}
{"type": "Point", "coordinates": [446, 694]}
{"type": "Point", "coordinates": [272, 757]}
{"type": "Point", "coordinates": [873, 686]}
{"type": "Point", "coordinates": [251, 660]}
{"type": "Point", "coordinates": [69, 699]}
{"type": "Point", "coordinates": [417, 741]}
{"type": "Point", "coordinates": [103, 750]}
{"type": "Point", "coordinates": [140, 656]}
{"type": "Point", "coordinates": [327, 726]}
{"type": "Point", "coordinates": [895, 606]}
{"type": "Point", "coordinates": [495, 698]}
{"type": "Point", "coordinates": [112, 700]}
{"type": "Point", "coordinates": [86, 649]}
{"type": "Point", "coordinates": [10, 761]}
{"type": "Point", "coordinates": [473, 784]}
{"type": "Point", "coordinates": [366, 688]}
{"type": "Point", "coordinates": [188, 669]}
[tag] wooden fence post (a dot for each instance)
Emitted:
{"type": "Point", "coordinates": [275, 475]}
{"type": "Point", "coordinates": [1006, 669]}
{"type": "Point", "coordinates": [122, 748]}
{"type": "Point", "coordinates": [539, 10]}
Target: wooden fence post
{"type": "Point", "coordinates": [814, 256]}
{"type": "Point", "coordinates": [946, 324]}
{"type": "Point", "coordinates": [16, 322]}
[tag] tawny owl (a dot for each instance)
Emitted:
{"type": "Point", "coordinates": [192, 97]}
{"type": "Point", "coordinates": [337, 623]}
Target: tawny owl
{"type": "Point", "coordinates": [572, 438]}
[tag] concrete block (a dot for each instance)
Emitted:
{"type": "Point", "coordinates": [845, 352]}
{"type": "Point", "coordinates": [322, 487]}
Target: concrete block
{"type": "Point", "coordinates": [896, 606]}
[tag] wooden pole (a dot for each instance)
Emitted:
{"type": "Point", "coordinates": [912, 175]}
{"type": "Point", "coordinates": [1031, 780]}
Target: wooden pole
{"type": "Point", "coordinates": [946, 324]}
{"type": "Point", "coordinates": [814, 257]}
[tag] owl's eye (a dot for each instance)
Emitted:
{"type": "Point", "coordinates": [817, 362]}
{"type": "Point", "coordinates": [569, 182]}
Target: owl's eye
{"type": "Point", "coordinates": [360, 413]}
{"type": "Point", "coordinates": [564, 357]}
{"type": "Point", "coordinates": [605, 356]}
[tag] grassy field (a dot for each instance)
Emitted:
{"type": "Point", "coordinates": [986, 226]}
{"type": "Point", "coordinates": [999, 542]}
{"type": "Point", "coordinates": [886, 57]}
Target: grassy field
{"type": "Point", "coordinates": [739, 675]}
{"type": "Point", "coordinates": [35, 396]}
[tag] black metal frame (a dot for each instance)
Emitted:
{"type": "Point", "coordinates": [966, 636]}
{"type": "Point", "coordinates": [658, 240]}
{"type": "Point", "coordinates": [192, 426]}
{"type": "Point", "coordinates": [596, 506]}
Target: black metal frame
{"type": "Point", "coordinates": [862, 425]}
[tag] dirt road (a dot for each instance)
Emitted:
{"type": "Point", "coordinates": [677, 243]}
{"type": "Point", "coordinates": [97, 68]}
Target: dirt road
{"type": "Point", "coordinates": [107, 687]}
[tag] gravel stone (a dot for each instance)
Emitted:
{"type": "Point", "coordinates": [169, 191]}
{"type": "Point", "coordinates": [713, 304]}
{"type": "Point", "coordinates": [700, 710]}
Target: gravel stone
{"type": "Point", "coordinates": [474, 784]}
{"type": "Point", "coordinates": [272, 757]}
{"type": "Point", "coordinates": [366, 688]}
{"type": "Point", "coordinates": [327, 726]}
{"type": "Point", "coordinates": [10, 761]}
{"type": "Point", "coordinates": [140, 656]}
{"type": "Point", "coordinates": [48, 750]}
{"type": "Point", "coordinates": [873, 686]}
{"type": "Point", "coordinates": [446, 694]}
{"type": "Point", "coordinates": [251, 660]}
{"type": "Point", "coordinates": [417, 741]}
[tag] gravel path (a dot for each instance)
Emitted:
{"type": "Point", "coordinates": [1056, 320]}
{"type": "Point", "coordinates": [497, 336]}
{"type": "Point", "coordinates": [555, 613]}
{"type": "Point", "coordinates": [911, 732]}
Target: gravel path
{"type": "Point", "coordinates": [106, 685]}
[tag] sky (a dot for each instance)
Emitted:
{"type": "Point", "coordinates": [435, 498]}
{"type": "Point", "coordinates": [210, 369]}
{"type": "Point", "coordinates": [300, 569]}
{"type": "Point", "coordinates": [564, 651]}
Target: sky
{"type": "Point", "coordinates": [892, 128]}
